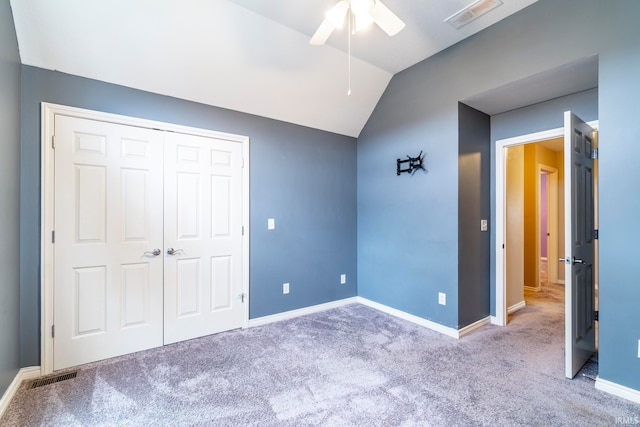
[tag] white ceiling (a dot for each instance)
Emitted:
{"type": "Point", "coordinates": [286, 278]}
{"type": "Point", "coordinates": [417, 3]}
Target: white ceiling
{"type": "Point", "coordinates": [245, 55]}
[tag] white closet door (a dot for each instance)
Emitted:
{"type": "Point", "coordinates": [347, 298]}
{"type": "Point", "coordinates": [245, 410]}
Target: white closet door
{"type": "Point", "coordinates": [108, 219]}
{"type": "Point", "coordinates": [203, 236]}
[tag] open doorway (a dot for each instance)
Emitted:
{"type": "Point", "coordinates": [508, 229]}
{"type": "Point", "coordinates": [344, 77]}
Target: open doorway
{"type": "Point", "coordinates": [534, 208]}
{"type": "Point", "coordinates": [580, 190]}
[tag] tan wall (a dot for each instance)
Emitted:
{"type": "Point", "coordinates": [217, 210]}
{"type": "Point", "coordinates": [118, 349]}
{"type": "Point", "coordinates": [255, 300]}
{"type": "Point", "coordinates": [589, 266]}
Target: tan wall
{"type": "Point", "coordinates": [514, 207]}
{"type": "Point", "coordinates": [530, 235]}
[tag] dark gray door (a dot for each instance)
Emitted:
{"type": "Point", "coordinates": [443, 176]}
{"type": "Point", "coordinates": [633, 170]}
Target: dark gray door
{"type": "Point", "coordinates": [580, 335]}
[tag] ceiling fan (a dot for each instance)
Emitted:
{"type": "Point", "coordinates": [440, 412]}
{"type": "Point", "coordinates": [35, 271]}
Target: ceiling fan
{"type": "Point", "coordinates": [360, 14]}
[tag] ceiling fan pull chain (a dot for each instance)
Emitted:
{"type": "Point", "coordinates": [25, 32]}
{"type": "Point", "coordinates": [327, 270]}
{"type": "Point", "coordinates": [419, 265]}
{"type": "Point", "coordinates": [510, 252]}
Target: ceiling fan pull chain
{"type": "Point", "coordinates": [349, 18]}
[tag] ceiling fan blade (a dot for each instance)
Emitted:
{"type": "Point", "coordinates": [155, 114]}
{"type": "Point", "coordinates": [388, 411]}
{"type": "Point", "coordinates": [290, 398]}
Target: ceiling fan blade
{"type": "Point", "coordinates": [386, 19]}
{"type": "Point", "coordinates": [337, 13]}
{"type": "Point", "coordinates": [322, 33]}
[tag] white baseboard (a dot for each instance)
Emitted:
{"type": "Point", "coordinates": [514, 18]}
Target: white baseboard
{"type": "Point", "coordinates": [516, 307]}
{"type": "Point", "coordinates": [259, 321]}
{"type": "Point", "coordinates": [23, 374]}
{"type": "Point", "coordinates": [474, 326]}
{"type": "Point", "coordinates": [454, 333]}
{"type": "Point", "coordinates": [618, 390]}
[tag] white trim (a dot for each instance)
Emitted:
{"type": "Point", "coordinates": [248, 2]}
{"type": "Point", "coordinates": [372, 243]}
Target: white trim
{"type": "Point", "coordinates": [47, 179]}
{"type": "Point", "coordinates": [618, 390]}
{"type": "Point", "coordinates": [246, 221]}
{"type": "Point", "coordinates": [474, 326]}
{"type": "Point", "coordinates": [552, 221]}
{"type": "Point", "coordinates": [23, 374]}
{"type": "Point", "coordinates": [500, 317]}
{"type": "Point", "coordinates": [515, 307]}
{"type": "Point", "coordinates": [47, 224]}
{"type": "Point", "coordinates": [454, 333]}
{"type": "Point", "coordinates": [286, 315]}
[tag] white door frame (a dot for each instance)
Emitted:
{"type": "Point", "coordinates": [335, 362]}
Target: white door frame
{"type": "Point", "coordinates": [500, 317]}
{"type": "Point", "coordinates": [552, 220]}
{"type": "Point", "coordinates": [47, 177]}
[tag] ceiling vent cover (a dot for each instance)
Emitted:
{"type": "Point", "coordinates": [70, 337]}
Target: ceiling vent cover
{"type": "Point", "coordinates": [472, 12]}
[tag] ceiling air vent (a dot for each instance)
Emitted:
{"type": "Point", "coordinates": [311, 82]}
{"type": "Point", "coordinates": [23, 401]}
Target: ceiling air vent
{"type": "Point", "coordinates": [471, 12]}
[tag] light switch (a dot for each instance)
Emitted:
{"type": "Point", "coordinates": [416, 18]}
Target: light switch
{"type": "Point", "coordinates": [271, 224]}
{"type": "Point", "coordinates": [483, 225]}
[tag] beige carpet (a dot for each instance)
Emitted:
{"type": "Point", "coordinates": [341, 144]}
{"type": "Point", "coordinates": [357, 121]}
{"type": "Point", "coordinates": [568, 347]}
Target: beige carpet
{"type": "Point", "coordinates": [351, 366]}
{"type": "Point", "coordinates": [544, 272]}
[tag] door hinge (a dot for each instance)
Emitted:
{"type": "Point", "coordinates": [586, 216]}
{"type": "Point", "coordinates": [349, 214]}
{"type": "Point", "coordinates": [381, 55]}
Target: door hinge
{"type": "Point", "coordinates": [53, 236]}
{"type": "Point", "coordinates": [242, 296]}
{"type": "Point", "coordinates": [53, 331]}
{"type": "Point", "coordinates": [596, 234]}
{"type": "Point", "coordinates": [594, 153]}
{"type": "Point", "coordinates": [243, 230]}
{"type": "Point", "coordinates": [596, 315]}
{"type": "Point", "coordinates": [242, 163]}
{"type": "Point", "coordinates": [53, 142]}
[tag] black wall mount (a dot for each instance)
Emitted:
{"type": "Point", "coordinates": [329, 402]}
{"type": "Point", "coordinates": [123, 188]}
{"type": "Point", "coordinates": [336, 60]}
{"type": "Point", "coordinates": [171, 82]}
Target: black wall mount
{"type": "Point", "coordinates": [414, 163]}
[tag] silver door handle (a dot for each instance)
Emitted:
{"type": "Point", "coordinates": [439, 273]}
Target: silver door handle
{"type": "Point", "coordinates": [172, 251]}
{"type": "Point", "coordinates": [569, 261]}
{"type": "Point", "coordinates": [154, 252]}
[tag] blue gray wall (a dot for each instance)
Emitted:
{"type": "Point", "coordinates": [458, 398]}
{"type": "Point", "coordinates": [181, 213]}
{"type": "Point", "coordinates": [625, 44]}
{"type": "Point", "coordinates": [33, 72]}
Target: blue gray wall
{"type": "Point", "coordinates": [408, 227]}
{"type": "Point", "coordinates": [10, 196]}
{"type": "Point", "coordinates": [304, 178]}
{"type": "Point", "coordinates": [407, 237]}
{"type": "Point", "coordinates": [474, 161]}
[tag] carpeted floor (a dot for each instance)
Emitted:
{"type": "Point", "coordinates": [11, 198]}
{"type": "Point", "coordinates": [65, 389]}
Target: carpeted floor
{"type": "Point", "coordinates": [544, 271]}
{"type": "Point", "coordinates": [351, 366]}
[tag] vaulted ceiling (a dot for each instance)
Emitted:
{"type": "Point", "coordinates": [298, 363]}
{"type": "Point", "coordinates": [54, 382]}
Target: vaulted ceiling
{"type": "Point", "coordinates": [251, 56]}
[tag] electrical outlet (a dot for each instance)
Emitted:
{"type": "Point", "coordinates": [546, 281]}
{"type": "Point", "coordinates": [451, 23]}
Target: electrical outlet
{"type": "Point", "coordinates": [442, 298]}
{"type": "Point", "coordinates": [484, 225]}
{"type": "Point", "coordinates": [638, 349]}
{"type": "Point", "coordinates": [343, 279]}
{"type": "Point", "coordinates": [271, 224]}
{"type": "Point", "coordinates": [285, 288]}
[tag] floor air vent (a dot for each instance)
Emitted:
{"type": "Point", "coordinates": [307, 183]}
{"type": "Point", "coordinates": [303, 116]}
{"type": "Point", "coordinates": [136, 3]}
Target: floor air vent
{"type": "Point", "coordinates": [51, 380]}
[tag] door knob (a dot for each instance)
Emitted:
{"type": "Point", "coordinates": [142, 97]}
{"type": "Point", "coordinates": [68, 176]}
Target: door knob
{"type": "Point", "coordinates": [172, 251]}
{"type": "Point", "coordinates": [569, 261]}
{"type": "Point", "coordinates": [154, 252]}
